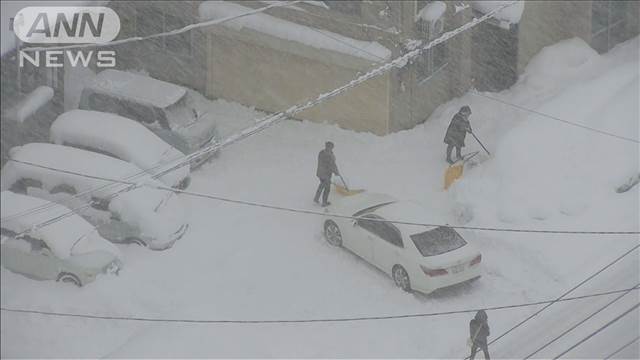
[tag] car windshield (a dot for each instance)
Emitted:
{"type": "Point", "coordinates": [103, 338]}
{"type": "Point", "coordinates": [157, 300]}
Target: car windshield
{"type": "Point", "coordinates": [438, 241]}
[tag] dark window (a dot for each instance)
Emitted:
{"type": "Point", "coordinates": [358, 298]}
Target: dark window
{"type": "Point", "coordinates": [102, 102]}
{"type": "Point", "coordinates": [179, 44]}
{"type": "Point", "coordinates": [438, 241]}
{"type": "Point", "coordinates": [100, 204]}
{"type": "Point", "coordinates": [383, 230]}
{"type": "Point", "coordinates": [347, 7]}
{"type": "Point", "coordinates": [434, 59]}
{"type": "Point", "coordinates": [23, 184]}
{"type": "Point", "coordinates": [64, 188]}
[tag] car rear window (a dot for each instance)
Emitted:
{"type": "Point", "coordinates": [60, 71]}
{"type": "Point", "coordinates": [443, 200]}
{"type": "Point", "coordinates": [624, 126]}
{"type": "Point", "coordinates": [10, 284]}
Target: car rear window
{"type": "Point", "coordinates": [438, 241]}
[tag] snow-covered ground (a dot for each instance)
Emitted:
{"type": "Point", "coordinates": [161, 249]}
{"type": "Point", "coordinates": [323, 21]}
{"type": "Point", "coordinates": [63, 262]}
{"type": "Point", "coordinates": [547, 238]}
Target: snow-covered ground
{"type": "Point", "coordinates": [245, 263]}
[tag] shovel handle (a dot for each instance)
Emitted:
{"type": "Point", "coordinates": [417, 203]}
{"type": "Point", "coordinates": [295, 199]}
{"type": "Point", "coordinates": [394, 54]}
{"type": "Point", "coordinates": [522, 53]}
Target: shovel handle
{"type": "Point", "coordinates": [485, 149]}
{"type": "Point", "coordinates": [344, 182]}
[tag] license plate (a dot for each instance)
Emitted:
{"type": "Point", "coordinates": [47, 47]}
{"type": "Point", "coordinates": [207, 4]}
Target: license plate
{"type": "Point", "coordinates": [458, 268]}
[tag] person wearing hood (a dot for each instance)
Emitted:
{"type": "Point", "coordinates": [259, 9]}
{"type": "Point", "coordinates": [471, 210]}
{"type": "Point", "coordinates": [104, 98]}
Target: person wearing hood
{"type": "Point", "coordinates": [457, 131]}
{"type": "Point", "coordinates": [479, 331]}
{"type": "Point", "coordinates": [326, 168]}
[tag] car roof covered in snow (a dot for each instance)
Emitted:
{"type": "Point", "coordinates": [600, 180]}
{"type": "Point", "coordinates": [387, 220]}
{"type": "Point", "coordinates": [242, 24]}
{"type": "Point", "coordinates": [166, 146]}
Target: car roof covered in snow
{"type": "Point", "coordinates": [349, 205]}
{"type": "Point", "coordinates": [410, 212]}
{"type": "Point", "coordinates": [71, 235]}
{"type": "Point", "coordinates": [57, 163]}
{"type": "Point", "coordinates": [118, 135]}
{"type": "Point", "coordinates": [141, 88]}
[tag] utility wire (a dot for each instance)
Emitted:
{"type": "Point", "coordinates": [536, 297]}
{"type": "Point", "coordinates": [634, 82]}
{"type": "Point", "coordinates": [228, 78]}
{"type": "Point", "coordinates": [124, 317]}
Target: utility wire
{"type": "Point", "coordinates": [602, 132]}
{"type": "Point", "coordinates": [580, 323]}
{"type": "Point", "coordinates": [598, 330]}
{"type": "Point", "coordinates": [564, 294]}
{"type": "Point", "coordinates": [622, 348]}
{"type": "Point", "coordinates": [168, 33]}
{"type": "Point", "coordinates": [266, 122]}
{"type": "Point", "coordinates": [316, 320]}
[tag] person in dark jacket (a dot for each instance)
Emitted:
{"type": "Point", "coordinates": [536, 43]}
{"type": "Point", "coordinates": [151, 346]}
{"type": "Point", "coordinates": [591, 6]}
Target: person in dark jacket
{"type": "Point", "coordinates": [457, 131]}
{"type": "Point", "coordinates": [326, 168]}
{"type": "Point", "coordinates": [479, 331]}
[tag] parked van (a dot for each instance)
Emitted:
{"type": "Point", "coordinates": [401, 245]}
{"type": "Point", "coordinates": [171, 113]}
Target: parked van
{"type": "Point", "coordinates": [121, 138]}
{"type": "Point", "coordinates": [145, 216]}
{"type": "Point", "coordinates": [68, 250]}
{"type": "Point", "coordinates": [174, 113]}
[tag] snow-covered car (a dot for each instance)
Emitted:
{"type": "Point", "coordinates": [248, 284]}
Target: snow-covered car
{"type": "Point", "coordinates": [416, 257]}
{"type": "Point", "coordinates": [145, 216]}
{"type": "Point", "coordinates": [176, 114]}
{"type": "Point", "coordinates": [69, 250]}
{"type": "Point", "coordinates": [121, 138]}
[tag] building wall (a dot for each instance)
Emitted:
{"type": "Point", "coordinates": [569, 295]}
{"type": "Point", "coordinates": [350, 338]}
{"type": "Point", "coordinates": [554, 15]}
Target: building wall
{"type": "Point", "coordinates": [273, 74]}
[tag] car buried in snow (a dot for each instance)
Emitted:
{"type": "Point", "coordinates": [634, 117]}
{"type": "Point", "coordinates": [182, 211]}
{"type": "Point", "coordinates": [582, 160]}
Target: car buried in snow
{"type": "Point", "coordinates": [96, 131]}
{"type": "Point", "coordinates": [416, 257]}
{"type": "Point", "coordinates": [68, 250]}
{"type": "Point", "coordinates": [83, 180]}
{"type": "Point", "coordinates": [176, 114]}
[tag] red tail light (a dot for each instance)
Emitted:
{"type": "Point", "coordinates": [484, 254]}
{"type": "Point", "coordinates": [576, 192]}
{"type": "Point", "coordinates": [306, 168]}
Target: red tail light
{"type": "Point", "coordinates": [434, 272]}
{"type": "Point", "coordinates": [476, 260]}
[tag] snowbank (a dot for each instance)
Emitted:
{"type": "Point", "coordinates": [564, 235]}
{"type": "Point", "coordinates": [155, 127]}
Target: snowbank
{"type": "Point", "coordinates": [287, 30]}
{"type": "Point", "coordinates": [31, 103]}
{"type": "Point", "coordinates": [70, 236]}
{"type": "Point", "coordinates": [432, 11]}
{"type": "Point", "coordinates": [511, 14]}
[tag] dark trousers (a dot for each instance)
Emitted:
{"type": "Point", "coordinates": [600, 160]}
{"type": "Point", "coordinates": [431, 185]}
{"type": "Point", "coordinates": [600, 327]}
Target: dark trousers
{"type": "Point", "coordinates": [483, 346]}
{"type": "Point", "coordinates": [323, 188]}
{"type": "Point", "coordinates": [458, 152]}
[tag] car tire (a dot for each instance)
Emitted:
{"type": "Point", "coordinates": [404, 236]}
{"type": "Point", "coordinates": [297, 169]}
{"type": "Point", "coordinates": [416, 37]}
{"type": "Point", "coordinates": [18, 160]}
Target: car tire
{"type": "Point", "coordinates": [332, 233]}
{"type": "Point", "coordinates": [136, 241]}
{"type": "Point", "coordinates": [401, 278]}
{"type": "Point", "coordinates": [69, 278]}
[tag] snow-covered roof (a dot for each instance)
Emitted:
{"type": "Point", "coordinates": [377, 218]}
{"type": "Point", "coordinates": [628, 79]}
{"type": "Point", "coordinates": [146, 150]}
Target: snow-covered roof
{"type": "Point", "coordinates": [143, 89]}
{"type": "Point", "coordinates": [31, 103]}
{"type": "Point", "coordinates": [510, 14]}
{"type": "Point", "coordinates": [67, 159]}
{"type": "Point", "coordinates": [125, 138]}
{"type": "Point", "coordinates": [71, 235]}
{"type": "Point", "coordinates": [283, 29]}
{"type": "Point", "coordinates": [432, 11]}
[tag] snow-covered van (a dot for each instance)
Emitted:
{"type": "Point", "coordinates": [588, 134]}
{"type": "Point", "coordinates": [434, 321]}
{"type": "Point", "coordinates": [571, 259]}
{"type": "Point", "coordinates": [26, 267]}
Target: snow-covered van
{"type": "Point", "coordinates": [121, 138]}
{"type": "Point", "coordinates": [176, 114]}
{"type": "Point", "coordinates": [145, 216]}
{"type": "Point", "coordinates": [69, 250]}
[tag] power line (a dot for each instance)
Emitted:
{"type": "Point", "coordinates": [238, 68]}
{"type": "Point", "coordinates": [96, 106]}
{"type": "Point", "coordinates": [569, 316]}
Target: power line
{"type": "Point", "coordinates": [598, 330]}
{"type": "Point", "coordinates": [622, 348]}
{"type": "Point", "coordinates": [602, 132]}
{"type": "Point", "coordinates": [564, 294]}
{"type": "Point", "coordinates": [266, 122]}
{"type": "Point", "coordinates": [580, 323]}
{"type": "Point", "coordinates": [168, 33]}
{"type": "Point", "coordinates": [315, 320]}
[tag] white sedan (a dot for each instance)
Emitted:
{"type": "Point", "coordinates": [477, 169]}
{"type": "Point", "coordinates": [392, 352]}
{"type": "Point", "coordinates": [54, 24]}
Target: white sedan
{"type": "Point", "coordinates": [416, 257]}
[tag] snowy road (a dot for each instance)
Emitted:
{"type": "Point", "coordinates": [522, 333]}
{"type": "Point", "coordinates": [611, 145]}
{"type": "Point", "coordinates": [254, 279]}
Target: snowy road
{"type": "Point", "coordinates": [247, 263]}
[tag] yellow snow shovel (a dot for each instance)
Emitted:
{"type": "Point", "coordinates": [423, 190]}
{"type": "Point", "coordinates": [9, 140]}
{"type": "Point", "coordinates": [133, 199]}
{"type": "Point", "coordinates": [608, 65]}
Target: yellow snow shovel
{"type": "Point", "coordinates": [454, 171]}
{"type": "Point", "coordinates": [344, 190]}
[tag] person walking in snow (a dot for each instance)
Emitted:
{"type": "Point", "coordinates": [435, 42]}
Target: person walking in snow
{"type": "Point", "coordinates": [326, 168]}
{"type": "Point", "coordinates": [479, 331]}
{"type": "Point", "coordinates": [457, 131]}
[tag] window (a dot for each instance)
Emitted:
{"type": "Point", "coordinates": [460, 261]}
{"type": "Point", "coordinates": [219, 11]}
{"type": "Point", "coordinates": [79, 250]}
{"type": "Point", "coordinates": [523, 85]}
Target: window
{"type": "Point", "coordinates": [438, 241]}
{"type": "Point", "coordinates": [385, 231]}
{"type": "Point", "coordinates": [101, 102]}
{"type": "Point", "coordinates": [433, 60]}
{"type": "Point", "coordinates": [21, 186]}
{"type": "Point", "coordinates": [152, 21]}
{"type": "Point", "coordinates": [607, 24]}
{"type": "Point", "coordinates": [351, 7]}
{"type": "Point", "coordinates": [100, 204]}
{"type": "Point", "coordinates": [63, 188]}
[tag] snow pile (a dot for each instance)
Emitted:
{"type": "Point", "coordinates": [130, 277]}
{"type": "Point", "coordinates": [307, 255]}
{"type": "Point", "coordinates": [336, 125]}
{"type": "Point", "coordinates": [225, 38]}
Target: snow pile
{"type": "Point", "coordinates": [142, 88]}
{"type": "Point", "coordinates": [511, 14]}
{"type": "Point", "coordinates": [31, 103]}
{"type": "Point", "coordinates": [126, 139]}
{"type": "Point", "coordinates": [432, 11]}
{"type": "Point", "coordinates": [70, 236]}
{"type": "Point", "coordinates": [267, 24]}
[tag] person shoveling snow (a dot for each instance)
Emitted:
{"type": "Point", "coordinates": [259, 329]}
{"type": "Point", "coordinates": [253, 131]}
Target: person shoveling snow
{"type": "Point", "coordinates": [326, 168]}
{"type": "Point", "coordinates": [457, 131]}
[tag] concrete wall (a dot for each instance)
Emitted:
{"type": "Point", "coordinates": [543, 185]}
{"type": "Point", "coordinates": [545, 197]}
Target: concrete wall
{"type": "Point", "coordinates": [273, 74]}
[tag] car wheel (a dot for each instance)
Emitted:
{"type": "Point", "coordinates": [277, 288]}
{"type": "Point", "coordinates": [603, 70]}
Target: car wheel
{"type": "Point", "coordinates": [401, 278]}
{"type": "Point", "coordinates": [69, 278]}
{"type": "Point", "coordinates": [136, 241]}
{"type": "Point", "coordinates": [332, 233]}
